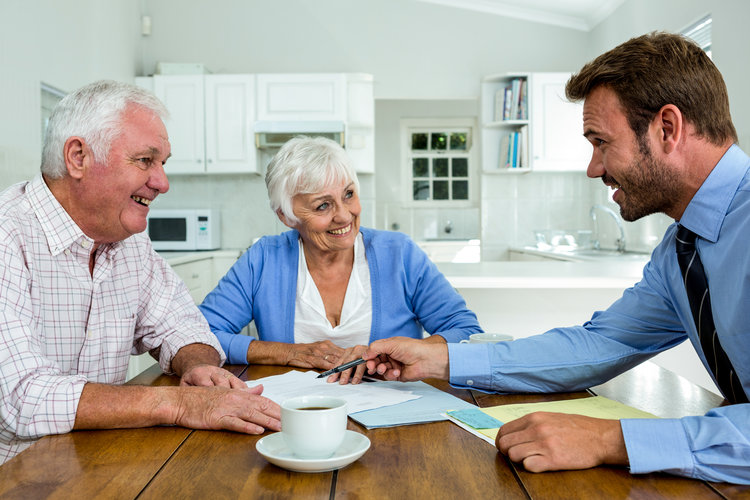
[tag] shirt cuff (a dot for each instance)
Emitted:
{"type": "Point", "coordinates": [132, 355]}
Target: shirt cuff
{"type": "Point", "coordinates": [657, 445]}
{"type": "Point", "coordinates": [470, 366]}
{"type": "Point", "coordinates": [238, 346]}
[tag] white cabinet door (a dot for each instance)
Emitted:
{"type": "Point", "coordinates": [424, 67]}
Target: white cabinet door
{"type": "Point", "coordinates": [359, 138]}
{"type": "Point", "coordinates": [302, 97]}
{"type": "Point", "coordinates": [183, 97]}
{"type": "Point", "coordinates": [556, 126]}
{"type": "Point", "coordinates": [230, 112]}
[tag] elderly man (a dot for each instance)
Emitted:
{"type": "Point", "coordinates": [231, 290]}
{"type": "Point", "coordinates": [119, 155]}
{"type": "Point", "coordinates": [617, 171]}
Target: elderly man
{"type": "Point", "coordinates": [657, 114]}
{"type": "Point", "coordinates": [81, 287]}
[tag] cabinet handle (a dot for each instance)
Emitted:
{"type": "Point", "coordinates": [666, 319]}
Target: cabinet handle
{"type": "Point", "coordinates": [210, 160]}
{"type": "Point", "coordinates": [196, 275]}
{"type": "Point", "coordinates": [199, 160]}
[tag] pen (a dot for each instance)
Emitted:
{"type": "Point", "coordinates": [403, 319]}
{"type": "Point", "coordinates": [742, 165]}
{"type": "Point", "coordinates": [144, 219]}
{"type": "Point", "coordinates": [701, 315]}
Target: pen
{"type": "Point", "coordinates": [343, 367]}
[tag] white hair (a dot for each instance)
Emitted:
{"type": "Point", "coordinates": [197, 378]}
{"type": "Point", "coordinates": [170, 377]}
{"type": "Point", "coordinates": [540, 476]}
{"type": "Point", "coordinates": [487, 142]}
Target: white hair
{"type": "Point", "coordinates": [92, 113]}
{"type": "Point", "coordinates": [306, 165]}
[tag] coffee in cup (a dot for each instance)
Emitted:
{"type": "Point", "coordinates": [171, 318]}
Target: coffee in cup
{"type": "Point", "coordinates": [313, 426]}
{"type": "Point", "coordinates": [486, 338]}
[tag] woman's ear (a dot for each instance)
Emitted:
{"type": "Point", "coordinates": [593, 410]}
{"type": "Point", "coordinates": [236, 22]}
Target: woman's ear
{"type": "Point", "coordinates": [284, 219]}
{"type": "Point", "coordinates": [76, 155]}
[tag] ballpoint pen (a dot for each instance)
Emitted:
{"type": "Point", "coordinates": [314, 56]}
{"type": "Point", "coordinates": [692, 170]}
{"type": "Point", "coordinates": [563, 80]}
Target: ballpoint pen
{"type": "Point", "coordinates": [343, 367]}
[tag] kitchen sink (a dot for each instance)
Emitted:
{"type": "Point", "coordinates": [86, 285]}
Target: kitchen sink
{"type": "Point", "coordinates": [608, 254]}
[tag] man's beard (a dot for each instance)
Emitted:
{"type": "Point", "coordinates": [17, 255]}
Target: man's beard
{"type": "Point", "coordinates": [648, 185]}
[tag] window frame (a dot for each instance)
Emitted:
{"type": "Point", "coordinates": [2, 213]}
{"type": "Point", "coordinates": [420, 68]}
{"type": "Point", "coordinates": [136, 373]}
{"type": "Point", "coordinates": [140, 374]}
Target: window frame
{"type": "Point", "coordinates": [414, 125]}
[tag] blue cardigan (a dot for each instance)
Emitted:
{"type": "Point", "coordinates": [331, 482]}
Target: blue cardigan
{"type": "Point", "coordinates": [408, 293]}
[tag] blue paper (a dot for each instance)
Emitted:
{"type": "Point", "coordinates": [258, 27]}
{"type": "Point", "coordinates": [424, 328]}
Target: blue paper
{"type": "Point", "coordinates": [428, 408]}
{"type": "Point", "coordinates": [476, 418]}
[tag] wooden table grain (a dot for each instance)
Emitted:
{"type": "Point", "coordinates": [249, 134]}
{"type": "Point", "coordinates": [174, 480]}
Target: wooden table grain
{"type": "Point", "coordinates": [434, 461]}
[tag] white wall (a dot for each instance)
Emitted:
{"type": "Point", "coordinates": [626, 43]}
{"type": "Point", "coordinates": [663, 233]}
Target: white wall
{"type": "Point", "coordinates": [427, 61]}
{"type": "Point", "coordinates": [415, 50]}
{"type": "Point", "coordinates": [66, 45]}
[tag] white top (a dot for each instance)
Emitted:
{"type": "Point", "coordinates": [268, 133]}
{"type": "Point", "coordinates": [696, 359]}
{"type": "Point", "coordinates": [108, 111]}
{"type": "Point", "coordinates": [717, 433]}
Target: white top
{"type": "Point", "coordinates": [310, 321]}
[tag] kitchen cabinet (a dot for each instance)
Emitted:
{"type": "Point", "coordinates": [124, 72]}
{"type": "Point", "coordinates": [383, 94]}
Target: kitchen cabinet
{"type": "Point", "coordinates": [210, 123]}
{"type": "Point", "coordinates": [313, 102]}
{"type": "Point", "coordinates": [550, 131]}
{"type": "Point", "coordinates": [556, 126]}
{"type": "Point", "coordinates": [301, 97]}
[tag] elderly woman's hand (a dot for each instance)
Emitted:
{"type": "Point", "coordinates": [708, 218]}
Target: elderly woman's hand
{"type": "Point", "coordinates": [353, 375]}
{"type": "Point", "coordinates": [323, 355]}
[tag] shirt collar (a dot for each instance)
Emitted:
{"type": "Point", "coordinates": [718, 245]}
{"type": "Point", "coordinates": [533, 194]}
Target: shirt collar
{"type": "Point", "coordinates": [706, 211]}
{"type": "Point", "coordinates": [59, 228]}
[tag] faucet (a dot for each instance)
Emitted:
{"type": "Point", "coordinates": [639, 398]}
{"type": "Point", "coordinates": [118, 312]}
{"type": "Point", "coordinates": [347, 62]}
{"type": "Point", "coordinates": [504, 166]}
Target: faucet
{"type": "Point", "coordinates": [619, 242]}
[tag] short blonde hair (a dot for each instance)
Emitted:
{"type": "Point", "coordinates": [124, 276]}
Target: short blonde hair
{"type": "Point", "coordinates": [306, 165]}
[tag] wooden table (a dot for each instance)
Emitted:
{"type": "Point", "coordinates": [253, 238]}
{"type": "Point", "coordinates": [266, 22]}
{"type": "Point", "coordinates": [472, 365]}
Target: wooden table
{"type": "Point", "coordinates": [433, 461]}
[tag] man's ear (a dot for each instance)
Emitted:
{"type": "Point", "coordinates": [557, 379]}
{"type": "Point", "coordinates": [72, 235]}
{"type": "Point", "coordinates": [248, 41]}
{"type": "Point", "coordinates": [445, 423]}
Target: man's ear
{"type": "Point", "coordinates": [668, 125]}
{"type": "Point", "coordinates": [283, 219]}
{"type": "Point", "coordinates": [77, 156]}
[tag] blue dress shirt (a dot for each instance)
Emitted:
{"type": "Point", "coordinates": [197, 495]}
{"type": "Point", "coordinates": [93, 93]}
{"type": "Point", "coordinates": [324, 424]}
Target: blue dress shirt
{"type": "Point", "coordinates": [651, 317]}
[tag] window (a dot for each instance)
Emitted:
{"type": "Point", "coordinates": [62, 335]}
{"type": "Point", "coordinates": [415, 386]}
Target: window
{"type": "Point", "coordinates": [700, 32]}
{"type": "Point", "coordinates": [49, 98]}
{"type": "Point", "coordinates": [439, 164]}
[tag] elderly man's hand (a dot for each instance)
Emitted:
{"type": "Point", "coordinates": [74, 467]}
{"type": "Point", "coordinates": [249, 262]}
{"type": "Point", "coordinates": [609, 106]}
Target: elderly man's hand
{"type": "Point", "coordinates": [209, 375]}
{"type": "Point", "coordinates": [240, 410]}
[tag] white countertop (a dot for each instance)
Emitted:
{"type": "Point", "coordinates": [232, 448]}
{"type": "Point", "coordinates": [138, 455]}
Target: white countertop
{"type": "Point", "coordinates": [176, 258]}
{"type": "Point", "coordinates": [501, 274]}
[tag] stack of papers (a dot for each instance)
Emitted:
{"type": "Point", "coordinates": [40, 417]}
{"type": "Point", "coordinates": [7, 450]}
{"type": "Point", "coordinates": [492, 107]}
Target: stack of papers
{"type": "Point", "coordinates": [430, 407]}
{"type": "Point", "coordinates": [486, 424]}
{"type": "Point", "coordinates": [373, 403]}
{"type": "Point", "coordinates": [360, 397]}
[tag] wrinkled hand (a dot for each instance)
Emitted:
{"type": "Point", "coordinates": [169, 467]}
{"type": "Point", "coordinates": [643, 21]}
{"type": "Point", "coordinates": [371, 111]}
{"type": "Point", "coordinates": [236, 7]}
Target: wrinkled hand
{"type": "Point", "coordinates": [240, 410]}
{"type": "Point", "coordinates": [353, 375]}
{"type": "Point", "coordinates": [556, 441]}
{"type": "Point", "coordinates": [322, 355]}
{"type": "Point", "coordinates": [407, 359]}
{"type": "Point", "coordinates": [208, 375]}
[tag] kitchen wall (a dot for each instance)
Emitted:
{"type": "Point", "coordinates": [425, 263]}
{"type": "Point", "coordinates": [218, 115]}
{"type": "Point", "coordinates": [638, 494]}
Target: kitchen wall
{"type": "Point", "coordinates": [66, 45]}
{"type": "Point", "coordinates": [427, 60]}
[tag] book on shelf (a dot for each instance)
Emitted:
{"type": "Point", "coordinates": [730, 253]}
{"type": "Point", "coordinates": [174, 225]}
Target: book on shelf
{"type": "Point", "coordinates": [514, 149]}
{"type": "Point", "coordinates": [499, 105]}
{"type": "Point", "coordinates": [515, 102]}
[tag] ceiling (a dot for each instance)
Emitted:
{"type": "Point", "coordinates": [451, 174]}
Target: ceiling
{"type": "Point", "coordinates": [576, 14]}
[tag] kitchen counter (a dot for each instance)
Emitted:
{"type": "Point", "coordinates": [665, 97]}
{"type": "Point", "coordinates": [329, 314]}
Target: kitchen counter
{"type": "Point", "coordinates": [175, 258]}
{"type": "Point", "coordinates": [543, 274]}
{"type": "Point", "coordinates": [578, 254]}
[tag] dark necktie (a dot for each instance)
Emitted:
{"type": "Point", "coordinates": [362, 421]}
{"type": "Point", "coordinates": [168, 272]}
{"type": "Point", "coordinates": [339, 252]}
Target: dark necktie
{"type": "Point", "coordinates": [696, 286]}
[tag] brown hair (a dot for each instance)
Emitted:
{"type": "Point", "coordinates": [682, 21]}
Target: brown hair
{"type": "Point", "coordinates": [656, 69]}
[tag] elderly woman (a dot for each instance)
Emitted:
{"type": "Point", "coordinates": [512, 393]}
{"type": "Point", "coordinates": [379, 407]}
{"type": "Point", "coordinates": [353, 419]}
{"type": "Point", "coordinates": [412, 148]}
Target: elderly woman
{"type": "Point", "coordinates": [320, 293]}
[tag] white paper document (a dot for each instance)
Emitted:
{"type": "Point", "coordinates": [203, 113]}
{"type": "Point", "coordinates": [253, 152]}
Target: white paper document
{"type": "Point", "coordinates": [360, 397]}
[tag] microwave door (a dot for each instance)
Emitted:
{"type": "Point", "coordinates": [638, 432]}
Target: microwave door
{"type": "Point", "coordinates": [171, 233]}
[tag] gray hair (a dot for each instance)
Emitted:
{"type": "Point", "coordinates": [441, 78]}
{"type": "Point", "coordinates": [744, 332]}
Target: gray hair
{"type": "Point", "coordinates": [306, 165]}
{"type": "Point", "coordinates": [93, 113]}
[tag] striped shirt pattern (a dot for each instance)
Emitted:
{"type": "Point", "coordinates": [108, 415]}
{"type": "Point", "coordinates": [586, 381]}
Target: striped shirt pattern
{"type": "Point", "coordinates": [62, 327]}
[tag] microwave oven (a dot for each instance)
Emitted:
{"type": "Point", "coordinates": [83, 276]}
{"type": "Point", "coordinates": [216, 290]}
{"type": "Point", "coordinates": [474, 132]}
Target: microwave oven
{"type": "Point", "coordinates": [184, 229]}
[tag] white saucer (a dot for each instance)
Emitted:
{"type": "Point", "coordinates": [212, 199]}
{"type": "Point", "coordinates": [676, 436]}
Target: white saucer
{"type": "Point", "coordinates": [274, 449]}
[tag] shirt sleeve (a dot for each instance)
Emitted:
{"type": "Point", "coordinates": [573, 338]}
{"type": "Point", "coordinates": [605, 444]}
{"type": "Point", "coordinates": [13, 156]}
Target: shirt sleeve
{"type": "Point", "coordinates": [633, 329]}
{"type": "Point", "coordinates": [229, 307]}
{"type": "Point", "coordinates": [167, 318]}
{"type": "Point", "coordinates": [36, 399]}
{"type": "Point", "coordinates": [713, 447]}
{"type": "Point", "coordinates": [438, 306]}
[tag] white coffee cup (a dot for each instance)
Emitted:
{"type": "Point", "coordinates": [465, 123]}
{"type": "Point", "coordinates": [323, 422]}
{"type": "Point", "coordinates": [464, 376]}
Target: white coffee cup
{"type": "Point", "coordinates": [313, 426]}
{"type": "Point", "coordinates": [486, 338]}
